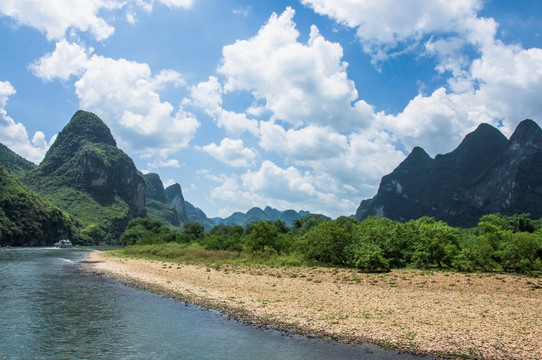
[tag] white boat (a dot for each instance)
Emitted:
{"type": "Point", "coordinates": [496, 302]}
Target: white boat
{"type": "Point", "coordinates": [63, 244]}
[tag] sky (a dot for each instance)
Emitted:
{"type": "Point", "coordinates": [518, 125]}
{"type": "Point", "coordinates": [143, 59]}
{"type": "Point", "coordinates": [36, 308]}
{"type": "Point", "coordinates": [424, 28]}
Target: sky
{"type": "Point", "coordinates": [300, 105]}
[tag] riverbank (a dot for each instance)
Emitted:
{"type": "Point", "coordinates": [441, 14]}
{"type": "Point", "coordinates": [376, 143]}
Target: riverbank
{"type": "Point", "coordinates": [446, 314]}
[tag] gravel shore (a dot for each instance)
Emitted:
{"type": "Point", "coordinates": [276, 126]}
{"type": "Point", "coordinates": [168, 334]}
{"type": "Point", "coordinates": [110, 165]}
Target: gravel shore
{"type": "Point", "coordinates": [454, 315]}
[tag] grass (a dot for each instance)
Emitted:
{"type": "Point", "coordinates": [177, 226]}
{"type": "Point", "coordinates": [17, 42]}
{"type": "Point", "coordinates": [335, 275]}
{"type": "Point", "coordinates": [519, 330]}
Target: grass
{"type": "Point", "coordinates": [195, 254]}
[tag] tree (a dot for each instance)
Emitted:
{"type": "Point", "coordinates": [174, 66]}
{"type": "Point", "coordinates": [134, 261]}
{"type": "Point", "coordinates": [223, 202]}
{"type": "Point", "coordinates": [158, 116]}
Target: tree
{"type": "Point", "coordinates": [308, 221]}
{"type": "Point", "coordinates": [329, 242]}
{"type": "Point", "coordinates": [436, 243]}
{"type": "Point", "coordinates": [262, 237]}
{"type": "Point", "coordinates": [194, 229]}
{"type": "Point", "coordinates": [521, 252]}
{"type": "Point", "coordinates": [144, 231]}
{"type": "Point", "coordinates": [476, 254]}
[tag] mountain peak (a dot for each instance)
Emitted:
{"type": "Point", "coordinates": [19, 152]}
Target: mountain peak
{"type": "Point", "coordinates": [155, 188]}
{"type": "Point", "coordinates": [98, 182]}
{"type": "Point", "coordinates": [417, 158]}
{"type": "Point", "coordinates": [175, 195]}
{"type": "Point", "coordinates": [85, 125]}
{"type": "Point", "coordinates": [418, 154]}
{"type": "Point", "coordinates": [527, 132]}
{"type": "Point", "coordinates": [484, 138]}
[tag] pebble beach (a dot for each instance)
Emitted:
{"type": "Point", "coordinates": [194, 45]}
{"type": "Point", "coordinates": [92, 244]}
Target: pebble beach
{"type": "Point", "coordinates": [440, 314]}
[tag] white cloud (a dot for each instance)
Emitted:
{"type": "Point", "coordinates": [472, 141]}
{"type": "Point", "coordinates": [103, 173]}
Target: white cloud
{"type": "Point", "coordinates": [68, 59]}
{"type": "Point", "coordinates": [280, 188]}
{"type": "Point", "coordinates": [300, 83]}
{"type": "Point", "coordinates": [231, 152]}
{"type": "Point", "coordinates": [383, 25]}
{"type": "Point", "coordinates": [208, 97]}
{"type": "Point", "coordinates": [177, 3]}
{"type": "Point", "coordinates": [56, 17]}
{"type": "Point", "coordinates": [309, 143]}
{"type": "Point", "coordinates": [126, 96]}
{"type": "Point", "coordinates": [14, 134]}
{"type": "Point", "coordinates": [244, 12]}
{"type": "Point", "coordinates": [355, 159]}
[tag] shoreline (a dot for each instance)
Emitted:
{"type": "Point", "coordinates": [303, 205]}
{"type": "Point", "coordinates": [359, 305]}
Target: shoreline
{"type": "Point", "coordinates": [437, 314]}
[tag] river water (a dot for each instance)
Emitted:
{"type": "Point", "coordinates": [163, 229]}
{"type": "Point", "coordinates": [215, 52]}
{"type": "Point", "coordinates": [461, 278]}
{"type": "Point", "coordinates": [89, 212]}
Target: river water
{"type": "Point", "coordinates": [50, 308]}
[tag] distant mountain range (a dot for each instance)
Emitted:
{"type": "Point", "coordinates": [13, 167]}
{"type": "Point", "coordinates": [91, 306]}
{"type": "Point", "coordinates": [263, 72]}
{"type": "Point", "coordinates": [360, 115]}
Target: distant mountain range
{"type": "Point", "coordinates": [487, 173]}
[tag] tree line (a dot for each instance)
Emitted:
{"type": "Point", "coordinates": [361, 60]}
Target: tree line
{"type": "Point", "coordinates": [499, 243]}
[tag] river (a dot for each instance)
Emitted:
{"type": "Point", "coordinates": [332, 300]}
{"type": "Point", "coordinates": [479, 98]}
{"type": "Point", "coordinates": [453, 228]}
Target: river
{"type": "Point", "coordinates": [51, 308]}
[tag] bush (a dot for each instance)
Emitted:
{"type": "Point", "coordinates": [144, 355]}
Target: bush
{"type": "Point", "coordinates": [329, 242]}
{"type": "Point", "coordinates": [520, 253]}
{"type": "Point", "coordinates": [476, 254]}
{"type": "Point", "coordinates": [369, 257]}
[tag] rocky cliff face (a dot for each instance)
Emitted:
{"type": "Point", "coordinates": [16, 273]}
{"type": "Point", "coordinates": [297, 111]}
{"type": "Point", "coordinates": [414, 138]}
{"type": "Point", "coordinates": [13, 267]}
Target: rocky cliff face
{"type": "Point", "coordinates": [158, 205]}
{"type": "Point", "coordinates": [85, 174]}
{"type": "Point", "coordinates": [174, 194]}
{"type": "Point", "coordinates": [486, 173]}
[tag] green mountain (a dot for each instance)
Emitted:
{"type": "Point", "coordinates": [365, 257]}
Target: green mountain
{"type": "Point", "coordinates": [486, 173]}
{"type": "Point", "coordinates": [13, 163]}
{"type": "Point", "coordinates": [26, 219]}
{"type": "Point", "coordinates": [195, 214]}
{"type": "Point", "coordinates": [174, 194]}
{"type": "Point", "coordinates": [85, 174]}
{"type": "Point", "coordinates": [158, 205]}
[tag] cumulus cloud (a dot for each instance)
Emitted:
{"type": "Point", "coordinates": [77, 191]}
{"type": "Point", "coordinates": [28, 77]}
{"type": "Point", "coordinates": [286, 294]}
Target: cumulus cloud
{"type": "Point", "coordinates": [352, 160]}
{"type": "Point", "coordinates": [56, 17]}
{"type": "Point", "coordinates": [14, 135]}
{"type": "Point", "coordinates": [126, 96]}
{"type": "Point", "coordinates": [383, 25]}
{"type": "Point", "coordinates": [68, 59]}
{"type": "Point", "coordinates": [299, 83]}
{"type": "Point", "coordinates": [283, 188]}
{"type": "Point", "coordinates": [309, 143]}
{"type": "Point", "coordinates": [207, 95]}
{"type": "Point", "coordinates": [231, 152]}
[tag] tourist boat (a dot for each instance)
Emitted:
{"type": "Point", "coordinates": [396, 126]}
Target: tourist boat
{"type": "Point", "coordinates": [63, 244]}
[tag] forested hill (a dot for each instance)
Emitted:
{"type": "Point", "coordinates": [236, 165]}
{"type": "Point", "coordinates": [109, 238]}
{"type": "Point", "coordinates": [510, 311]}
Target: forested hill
{"type": "Point", "coordinates": [13, 163]}
{"type": "Point", "coordinates": [487, 173]}
{"type": "Point", "coordinates": [26, 219]}
{"type": "Point", "coordinates": [86, 174]}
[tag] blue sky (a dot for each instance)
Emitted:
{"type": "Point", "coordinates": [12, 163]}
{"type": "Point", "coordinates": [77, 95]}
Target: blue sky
{"type": "Point", "coordinates": [293, 104]}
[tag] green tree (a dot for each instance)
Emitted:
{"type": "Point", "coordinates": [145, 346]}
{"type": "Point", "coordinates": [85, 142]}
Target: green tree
{"type": "Point", "coordinates": [520, 253]}
{"type": "Point", "coordinates": [263, 237]}
{"type": "Point", "coordinates": [307, 222]}
{"type": "Point", "coordinates": [143, 231]}
{"type": "Point", "coordinates": [329, 242]}
{"type": "Point", "coordinates": [194, 229]}
{"type": "Point", "coordinates": [476, 254]}
{"type": "Point", "coordinates": [436, 243]}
